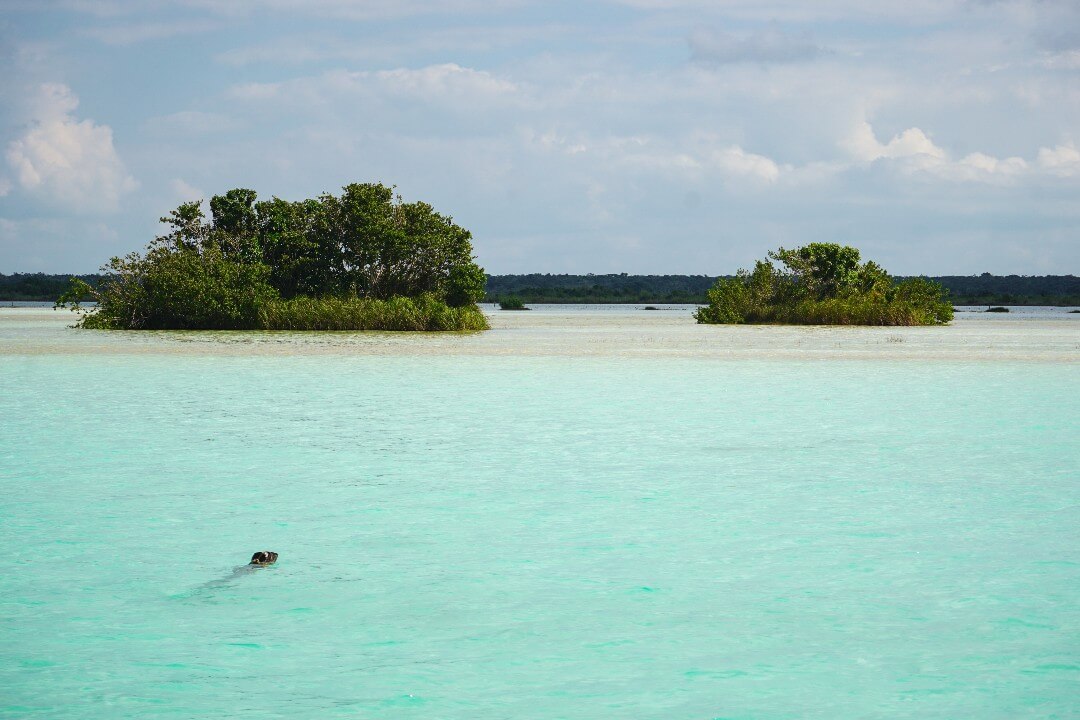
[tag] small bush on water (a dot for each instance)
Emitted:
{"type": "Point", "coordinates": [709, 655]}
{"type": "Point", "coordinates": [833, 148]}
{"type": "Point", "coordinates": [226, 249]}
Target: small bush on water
{"type": "Point", "coordinates": [823, 284]}
{"type": "Point", "coordinates": [512, 303]}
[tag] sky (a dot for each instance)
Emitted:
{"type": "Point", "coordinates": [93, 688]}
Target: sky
{"type": "Point", "coordinates": [641, 136]}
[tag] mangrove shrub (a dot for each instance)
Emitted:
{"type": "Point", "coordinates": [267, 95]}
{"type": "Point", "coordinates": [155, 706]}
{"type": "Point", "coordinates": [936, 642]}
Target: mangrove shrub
{"type": "Point", "coordinates": [823, 284]}
{"type": "Point", "coordinates": [360, 260]}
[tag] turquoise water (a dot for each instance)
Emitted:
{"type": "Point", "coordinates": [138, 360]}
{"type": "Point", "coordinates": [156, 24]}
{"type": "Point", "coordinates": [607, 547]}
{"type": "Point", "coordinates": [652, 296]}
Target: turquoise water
{"type": "Point", "coordinates": [656, 521]}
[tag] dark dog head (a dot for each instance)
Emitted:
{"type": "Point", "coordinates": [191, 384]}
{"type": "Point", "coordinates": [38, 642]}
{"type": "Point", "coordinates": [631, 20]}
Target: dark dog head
{"type": "Point", "coordinates": [264, 557]}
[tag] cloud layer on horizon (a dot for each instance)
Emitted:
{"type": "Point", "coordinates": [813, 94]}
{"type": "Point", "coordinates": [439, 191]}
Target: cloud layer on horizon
{"type": "Point", "coordinates": [633, 135]}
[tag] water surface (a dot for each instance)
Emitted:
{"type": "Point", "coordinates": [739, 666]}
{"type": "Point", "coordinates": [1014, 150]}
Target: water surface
{"type": "Point", "coordinates": [583, 513]}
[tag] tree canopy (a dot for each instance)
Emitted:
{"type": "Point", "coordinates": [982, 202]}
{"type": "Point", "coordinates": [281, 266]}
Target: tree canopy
{"type": "Point", "coordinates": [824, 284]}
{"type": "Point", "coordinates": [224, 272]}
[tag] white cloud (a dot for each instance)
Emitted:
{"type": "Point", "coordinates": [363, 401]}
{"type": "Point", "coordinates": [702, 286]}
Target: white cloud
{"type": "Point", "coordinates": [185, 192]}
{"type": "Point", "coordinates": [737, 162]}
{"type": "Point", "coordinates": [913, 142]}
{"type": "Point", "coordinates": [5, 186]}
{"type": "Point", "coordinates": [915, 12]}
{"type": "Point", "coordinates": [696, 158]}
{"type": "Point", "coordinates": [357, 10]}
{"type": "Point", "coordinates": [1062, 160]}
{"type": "Point", "coordinates": [1065, 60]}
{"type": "Point", "coordinates": [917, 153]}
{"type": "Point", "coordinates": [447, 79]}
{"type": "Point", "coordinates": [65, 161]}
{"type": "Point", "coordinates": [448, 84]}
{"type": "Point", "coordinates": [50, 102]}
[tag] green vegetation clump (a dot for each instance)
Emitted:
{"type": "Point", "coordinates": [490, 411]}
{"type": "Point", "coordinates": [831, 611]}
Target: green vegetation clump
{"type": "Point", "coordinates": [425, 312]}
{"type": "Point", "coordinates": [363, 260]}
{"type": "Point", "coordinates": [997, 309]}
{"type": "Point", "coordinates": [512, 303]}
{"type": "Point", "coordinates": [824, 284]}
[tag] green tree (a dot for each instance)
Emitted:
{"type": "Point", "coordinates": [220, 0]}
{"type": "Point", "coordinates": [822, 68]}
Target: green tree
{"type": "Point", "coordinates": [823, 270]}
{"type": "Point", "coordinates": [823, 283]}
{"type": "Point", "coordinates": [235, 225]}
{"type": "Point", "coordinates": [365, 244]}
{"type": "Point", "coordinates": [300, 259]}
{"type": "Point", "coordinates": [465, 285]}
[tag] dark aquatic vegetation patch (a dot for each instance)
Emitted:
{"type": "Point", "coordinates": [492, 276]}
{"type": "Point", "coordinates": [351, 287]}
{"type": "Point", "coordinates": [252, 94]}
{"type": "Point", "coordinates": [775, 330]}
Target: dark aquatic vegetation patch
{"type": "Point", "coordinates": [997, 309]}
{"type": "Point", "coordinates": [650, 307]}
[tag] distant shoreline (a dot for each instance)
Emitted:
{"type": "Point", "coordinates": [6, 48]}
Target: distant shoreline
{"type": "Point", "coordinates": [985, 289]}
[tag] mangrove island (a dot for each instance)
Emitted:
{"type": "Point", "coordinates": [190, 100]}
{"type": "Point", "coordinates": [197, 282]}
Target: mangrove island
{"type": "Point", "coordinates": [364, 260]}
{"type": "Point", "coordinates": [824, 284]}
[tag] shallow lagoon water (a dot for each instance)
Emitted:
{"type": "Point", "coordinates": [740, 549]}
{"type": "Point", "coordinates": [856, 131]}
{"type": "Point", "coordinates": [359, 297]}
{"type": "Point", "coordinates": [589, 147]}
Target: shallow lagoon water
{"type": "Point", "coordinates": [583, 513]}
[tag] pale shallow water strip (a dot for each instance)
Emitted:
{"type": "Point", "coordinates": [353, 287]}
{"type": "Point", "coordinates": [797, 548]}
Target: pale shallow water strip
{"type": "Point", "coordinates": [1037, 335]}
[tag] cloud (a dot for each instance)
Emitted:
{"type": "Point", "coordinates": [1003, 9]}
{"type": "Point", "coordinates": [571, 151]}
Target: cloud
{"type": "Point", "coordinates": [917, 153]}
{"type": "Point", "coordinates": [65, 161]}
{"type": "Point", "coordinates": [697, 158]}
{"type": "Point", "coordinates": [447, 83]}
{"type": "Point", "coordinates": [389, 50]}
{"type": "Point", "coordinates": [444, 80]}
{"type": "Point", "coordinates": [911, 143]}
{"type": "Point", "coordinates": [913, 12]}
{"type": "Point", "coordinates": [737, 162]}
{"type": "Point", "coordinates": [184, 192]}
{"type": "Point", "coordinates": [771, 45]}
{"type": "Point", "coordinates": [357, 10]}
{"type": "Point", "coordinates": [50, 102]}
{"type": "Point", "coordinates": [1061, 160]}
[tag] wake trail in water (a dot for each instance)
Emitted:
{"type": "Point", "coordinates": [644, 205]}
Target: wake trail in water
{"type": "Point", "coordinates": [207, 588]}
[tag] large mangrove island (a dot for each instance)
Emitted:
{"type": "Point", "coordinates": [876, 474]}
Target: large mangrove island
{"type": "Point", "coordinates": [362, 260]}
{"type": "Point", "coordinates": [824, 284]}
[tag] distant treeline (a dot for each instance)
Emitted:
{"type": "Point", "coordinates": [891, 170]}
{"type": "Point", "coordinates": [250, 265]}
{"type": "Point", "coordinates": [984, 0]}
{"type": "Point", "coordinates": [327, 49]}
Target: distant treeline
{"type": "Point", "coordinates": [38, 286]}
{"type": "Point", "coordinates": [616, 288]}
{"type": "Point", "coordinates": [982, 289]}
{"type": "Point", "coordinates": [535, 288]}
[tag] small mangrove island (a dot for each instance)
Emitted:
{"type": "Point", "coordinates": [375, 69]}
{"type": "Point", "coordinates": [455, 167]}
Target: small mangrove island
{"type": "Point", "coordinates": [824, 284]}
{"type": "Point", "coordinates": [364, 260]}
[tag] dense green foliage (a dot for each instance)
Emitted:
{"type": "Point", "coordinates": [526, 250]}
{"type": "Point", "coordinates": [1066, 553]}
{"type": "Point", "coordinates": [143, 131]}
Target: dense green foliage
{"type": "Point", "coordinates": [425, 312]}
{"type": "Point", "coordinates": [361, 260]}
{"type": "Point", "coordinates": [512, 303]}
{"type": "Point", "coordinates": [824, 284]}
